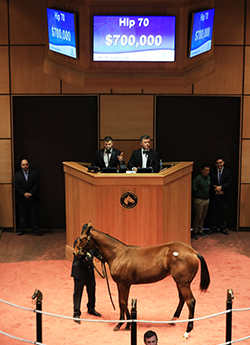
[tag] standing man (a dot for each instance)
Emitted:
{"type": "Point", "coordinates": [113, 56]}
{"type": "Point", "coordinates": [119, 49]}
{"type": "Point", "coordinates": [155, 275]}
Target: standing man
{"type": "Point", "coordinates": [150, 338]}
{"type": "Point", "coordinates": [83, 274]}
{"type": "Point", "coordinates": [108, 157]}
{"type": "Point", "coordinates": [26, 186]}
{"type": "Point", "coordinates": [221, 179]}
{"type": "Point", "coordinates": [144, 157]}
{"type": "Point", "coordinates": [201, 188]}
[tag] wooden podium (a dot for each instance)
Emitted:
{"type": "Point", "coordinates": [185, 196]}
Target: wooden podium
{"type": "Point", "coordinates": [137, 209]}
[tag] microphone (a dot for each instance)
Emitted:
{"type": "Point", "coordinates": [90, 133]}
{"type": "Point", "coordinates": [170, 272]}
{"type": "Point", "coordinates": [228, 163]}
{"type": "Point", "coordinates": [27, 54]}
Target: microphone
{"type": "Point", "coordinates": [153, 159]}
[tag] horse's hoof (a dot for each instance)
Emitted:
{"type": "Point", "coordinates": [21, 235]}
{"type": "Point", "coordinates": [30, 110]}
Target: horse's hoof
{"type": "Point", "coordinates": [127, 328]}
{"type": "Point", "coordinates": [116, 329]}
{"type": "Point", "coordinates": [185, 336]}
{"type": "Point", "coordinates": [173, 321]}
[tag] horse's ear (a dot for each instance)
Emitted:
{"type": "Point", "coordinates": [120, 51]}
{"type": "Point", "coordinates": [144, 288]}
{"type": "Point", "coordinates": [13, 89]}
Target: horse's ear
{"type": "Point", "coordinates": [90, 227]}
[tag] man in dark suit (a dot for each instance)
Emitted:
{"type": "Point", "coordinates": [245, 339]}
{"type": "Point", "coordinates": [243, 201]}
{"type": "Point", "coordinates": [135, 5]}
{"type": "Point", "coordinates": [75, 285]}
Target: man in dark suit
{"type": "Point", "coordinates": [108, 157]}
{"type": "Point", "coordinates": [83, 274]}
{"type": "Point", "coordinates": [144, 157]}
{"type": "Point", "coordinates": [26, 186]}
{"type": "Point", "coordinates": [221, 180]}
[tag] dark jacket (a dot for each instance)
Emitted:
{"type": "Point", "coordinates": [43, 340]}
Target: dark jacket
{"type": "Point", "coordinates": [22, 187]}
{"type": "Point", "coordinates": [113, 162]}
{"type": "Point", "coordinates": [136, 160]}
{"type": "Point", "coordinates": [83, 269]}
{"type": "Point", "coordinates": [225, 181]}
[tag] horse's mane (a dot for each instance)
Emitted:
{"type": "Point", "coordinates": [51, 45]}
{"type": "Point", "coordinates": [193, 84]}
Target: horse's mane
{"type": "Point", "coordinates": [103, 233]}
{"type": "Point", "coordinates": [115, 239]}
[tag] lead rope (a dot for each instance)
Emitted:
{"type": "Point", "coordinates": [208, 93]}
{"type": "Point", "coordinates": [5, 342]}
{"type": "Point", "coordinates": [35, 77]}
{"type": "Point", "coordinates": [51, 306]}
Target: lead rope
{"type": "Point", "coordinates": [104, 275]}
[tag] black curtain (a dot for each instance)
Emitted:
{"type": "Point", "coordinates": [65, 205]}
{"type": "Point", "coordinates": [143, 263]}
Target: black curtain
{"type": "Point", "coordinates": [198, 129]}
{"type": "Point", "coordinates": [47, 131]}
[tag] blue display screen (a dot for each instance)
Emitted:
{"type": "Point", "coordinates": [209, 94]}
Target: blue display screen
{"type": "Point", "coordinates": [61, 32]}
{"type": "Point", "coordinates": [134, 38]}
{"type": "Point", "coordinates": [201, 32]}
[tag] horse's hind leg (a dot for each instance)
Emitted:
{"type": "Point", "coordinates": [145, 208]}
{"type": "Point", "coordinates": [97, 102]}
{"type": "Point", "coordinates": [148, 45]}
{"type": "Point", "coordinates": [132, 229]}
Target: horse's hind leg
{"type": "Point", "coordinates": [186, 292]}
{"type": "Point", "coordinates": [179, 308]}
{"type": "Point", "coordinates": [123, 304]}
{"type": "Point", "coordinates": [191, 307]}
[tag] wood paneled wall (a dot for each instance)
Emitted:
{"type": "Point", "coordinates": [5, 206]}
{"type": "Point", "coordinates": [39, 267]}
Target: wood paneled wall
{"type": "Point", "coordinates": [22, 52]}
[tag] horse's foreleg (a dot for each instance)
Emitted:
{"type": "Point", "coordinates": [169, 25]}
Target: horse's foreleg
{"type": "Point", "coordinates": [118, 326]}
{"type": "Point", "coordinates": [128, 318]}
{"type": "Point", "coordinates": [123, 292]}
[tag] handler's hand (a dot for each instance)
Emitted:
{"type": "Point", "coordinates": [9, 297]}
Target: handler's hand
{"type": "Point", "coordinates": [88, 257]}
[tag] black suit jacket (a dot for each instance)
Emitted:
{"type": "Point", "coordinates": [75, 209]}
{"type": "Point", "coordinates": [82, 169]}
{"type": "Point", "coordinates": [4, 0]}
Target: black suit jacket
{"type": "Point", "coordinates": [225, 181]}
{"type": "Point", "coordinates": [113, 162]}
{"type": "Point", "coordinates": [22, 187]}
{"type": "Point", "coordinates": [136, 160]}
{"type": "Point", "coordinates": [82, 269]}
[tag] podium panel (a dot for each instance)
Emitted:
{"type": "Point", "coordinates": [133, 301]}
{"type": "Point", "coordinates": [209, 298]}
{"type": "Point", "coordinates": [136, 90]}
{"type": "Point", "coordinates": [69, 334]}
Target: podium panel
{"type": "Point", "coordinates": [137, 209]}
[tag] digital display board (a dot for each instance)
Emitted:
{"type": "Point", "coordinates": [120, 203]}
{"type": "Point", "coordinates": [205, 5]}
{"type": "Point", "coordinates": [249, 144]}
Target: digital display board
{"type": "Point", "coordinates": [201, 32]}
{"type": "Point", "coordinates": [134, 38]}
{"type": "Point", "coordinates": [62, 32]}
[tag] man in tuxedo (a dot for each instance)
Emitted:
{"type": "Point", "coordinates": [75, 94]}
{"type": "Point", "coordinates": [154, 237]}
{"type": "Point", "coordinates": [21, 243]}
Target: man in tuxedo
{"type": "Point", "coordinates": [108, 157]}
{"type": "Point", "coordinates": [26, 186]}
{"type": "Point", "coordinates": [144, 157]}
{"type": "Point", "coordinates": [221, 180]}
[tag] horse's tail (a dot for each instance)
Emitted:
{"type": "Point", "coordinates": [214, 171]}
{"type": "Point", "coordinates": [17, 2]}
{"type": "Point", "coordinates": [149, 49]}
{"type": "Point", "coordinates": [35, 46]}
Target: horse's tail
{"type": "Point", "coordinates": [205, 277]}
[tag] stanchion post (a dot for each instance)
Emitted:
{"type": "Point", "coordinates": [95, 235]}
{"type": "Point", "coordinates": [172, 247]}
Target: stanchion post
{"type": "Point", "coordinates": [230, 297]}
{"type": "Point", "coordinates": [39, 322]}
{"type": "Point", "coordinates": [134, 324]}
{"type": "Point", "coordinates": [39, 296]}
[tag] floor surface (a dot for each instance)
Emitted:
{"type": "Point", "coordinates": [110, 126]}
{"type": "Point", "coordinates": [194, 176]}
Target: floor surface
{"type": "Point", "coordinates": [31, 262]}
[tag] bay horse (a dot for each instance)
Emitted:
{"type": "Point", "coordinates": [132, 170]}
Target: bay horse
{"type": "Point", "coordinates": [137, 265]}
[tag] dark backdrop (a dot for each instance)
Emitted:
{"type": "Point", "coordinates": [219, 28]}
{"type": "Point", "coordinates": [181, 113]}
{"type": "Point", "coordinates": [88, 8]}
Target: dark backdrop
{"type": "Point", "coordinates": [47, 131]}
{"type": "Point", "coordinates": [51, 129]}
{"type": "Point", "coordinates": [198, 129]}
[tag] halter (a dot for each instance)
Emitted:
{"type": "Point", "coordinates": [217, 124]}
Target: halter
{"type": "Point", "coordinates": [82, 248]}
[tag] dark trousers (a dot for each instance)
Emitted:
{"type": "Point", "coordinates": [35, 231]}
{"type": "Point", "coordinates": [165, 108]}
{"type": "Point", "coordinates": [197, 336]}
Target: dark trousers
{"type": "Point", "coordinates": [218, 212]}
{"type": "Point", "coordinates": [77, 295]}
{"type": "Point", "coordinates": [28, 212]}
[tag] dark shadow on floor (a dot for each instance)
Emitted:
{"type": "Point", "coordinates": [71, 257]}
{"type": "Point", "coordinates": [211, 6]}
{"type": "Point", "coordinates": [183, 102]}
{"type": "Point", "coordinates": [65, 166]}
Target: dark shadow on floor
{"type": "Point", "coordinates": [30, 247]}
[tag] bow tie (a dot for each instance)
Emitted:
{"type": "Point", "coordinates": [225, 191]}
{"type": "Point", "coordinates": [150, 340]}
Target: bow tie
{"type": "Point", "coordinates": [108, 152]}
{"type": "Point", "coordinates": [145, 152]}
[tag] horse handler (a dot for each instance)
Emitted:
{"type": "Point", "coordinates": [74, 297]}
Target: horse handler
{"type": "Point", "coordinates": [83, 274]}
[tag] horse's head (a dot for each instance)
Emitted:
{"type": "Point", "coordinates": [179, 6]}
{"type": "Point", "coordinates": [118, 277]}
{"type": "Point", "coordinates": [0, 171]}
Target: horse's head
{"type": "Point", "coordinates": [37, 294]}
{"type": "Point", "coordinates": [128, 200]}
{"type": "Point", "coordinates": [83, 242]}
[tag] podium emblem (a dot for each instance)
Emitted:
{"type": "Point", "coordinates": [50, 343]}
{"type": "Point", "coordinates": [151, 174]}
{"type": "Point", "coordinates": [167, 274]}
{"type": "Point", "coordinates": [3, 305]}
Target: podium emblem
{"type": "Point", "coordinates": [129, 200]}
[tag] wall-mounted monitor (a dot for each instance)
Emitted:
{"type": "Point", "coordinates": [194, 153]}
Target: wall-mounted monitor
{"type": "Point", "coordinates": [62, 33]}
{"type": "Point", "coordinates": [201, 32]}
{"type": "Point", "coordinates": [134, 38]}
